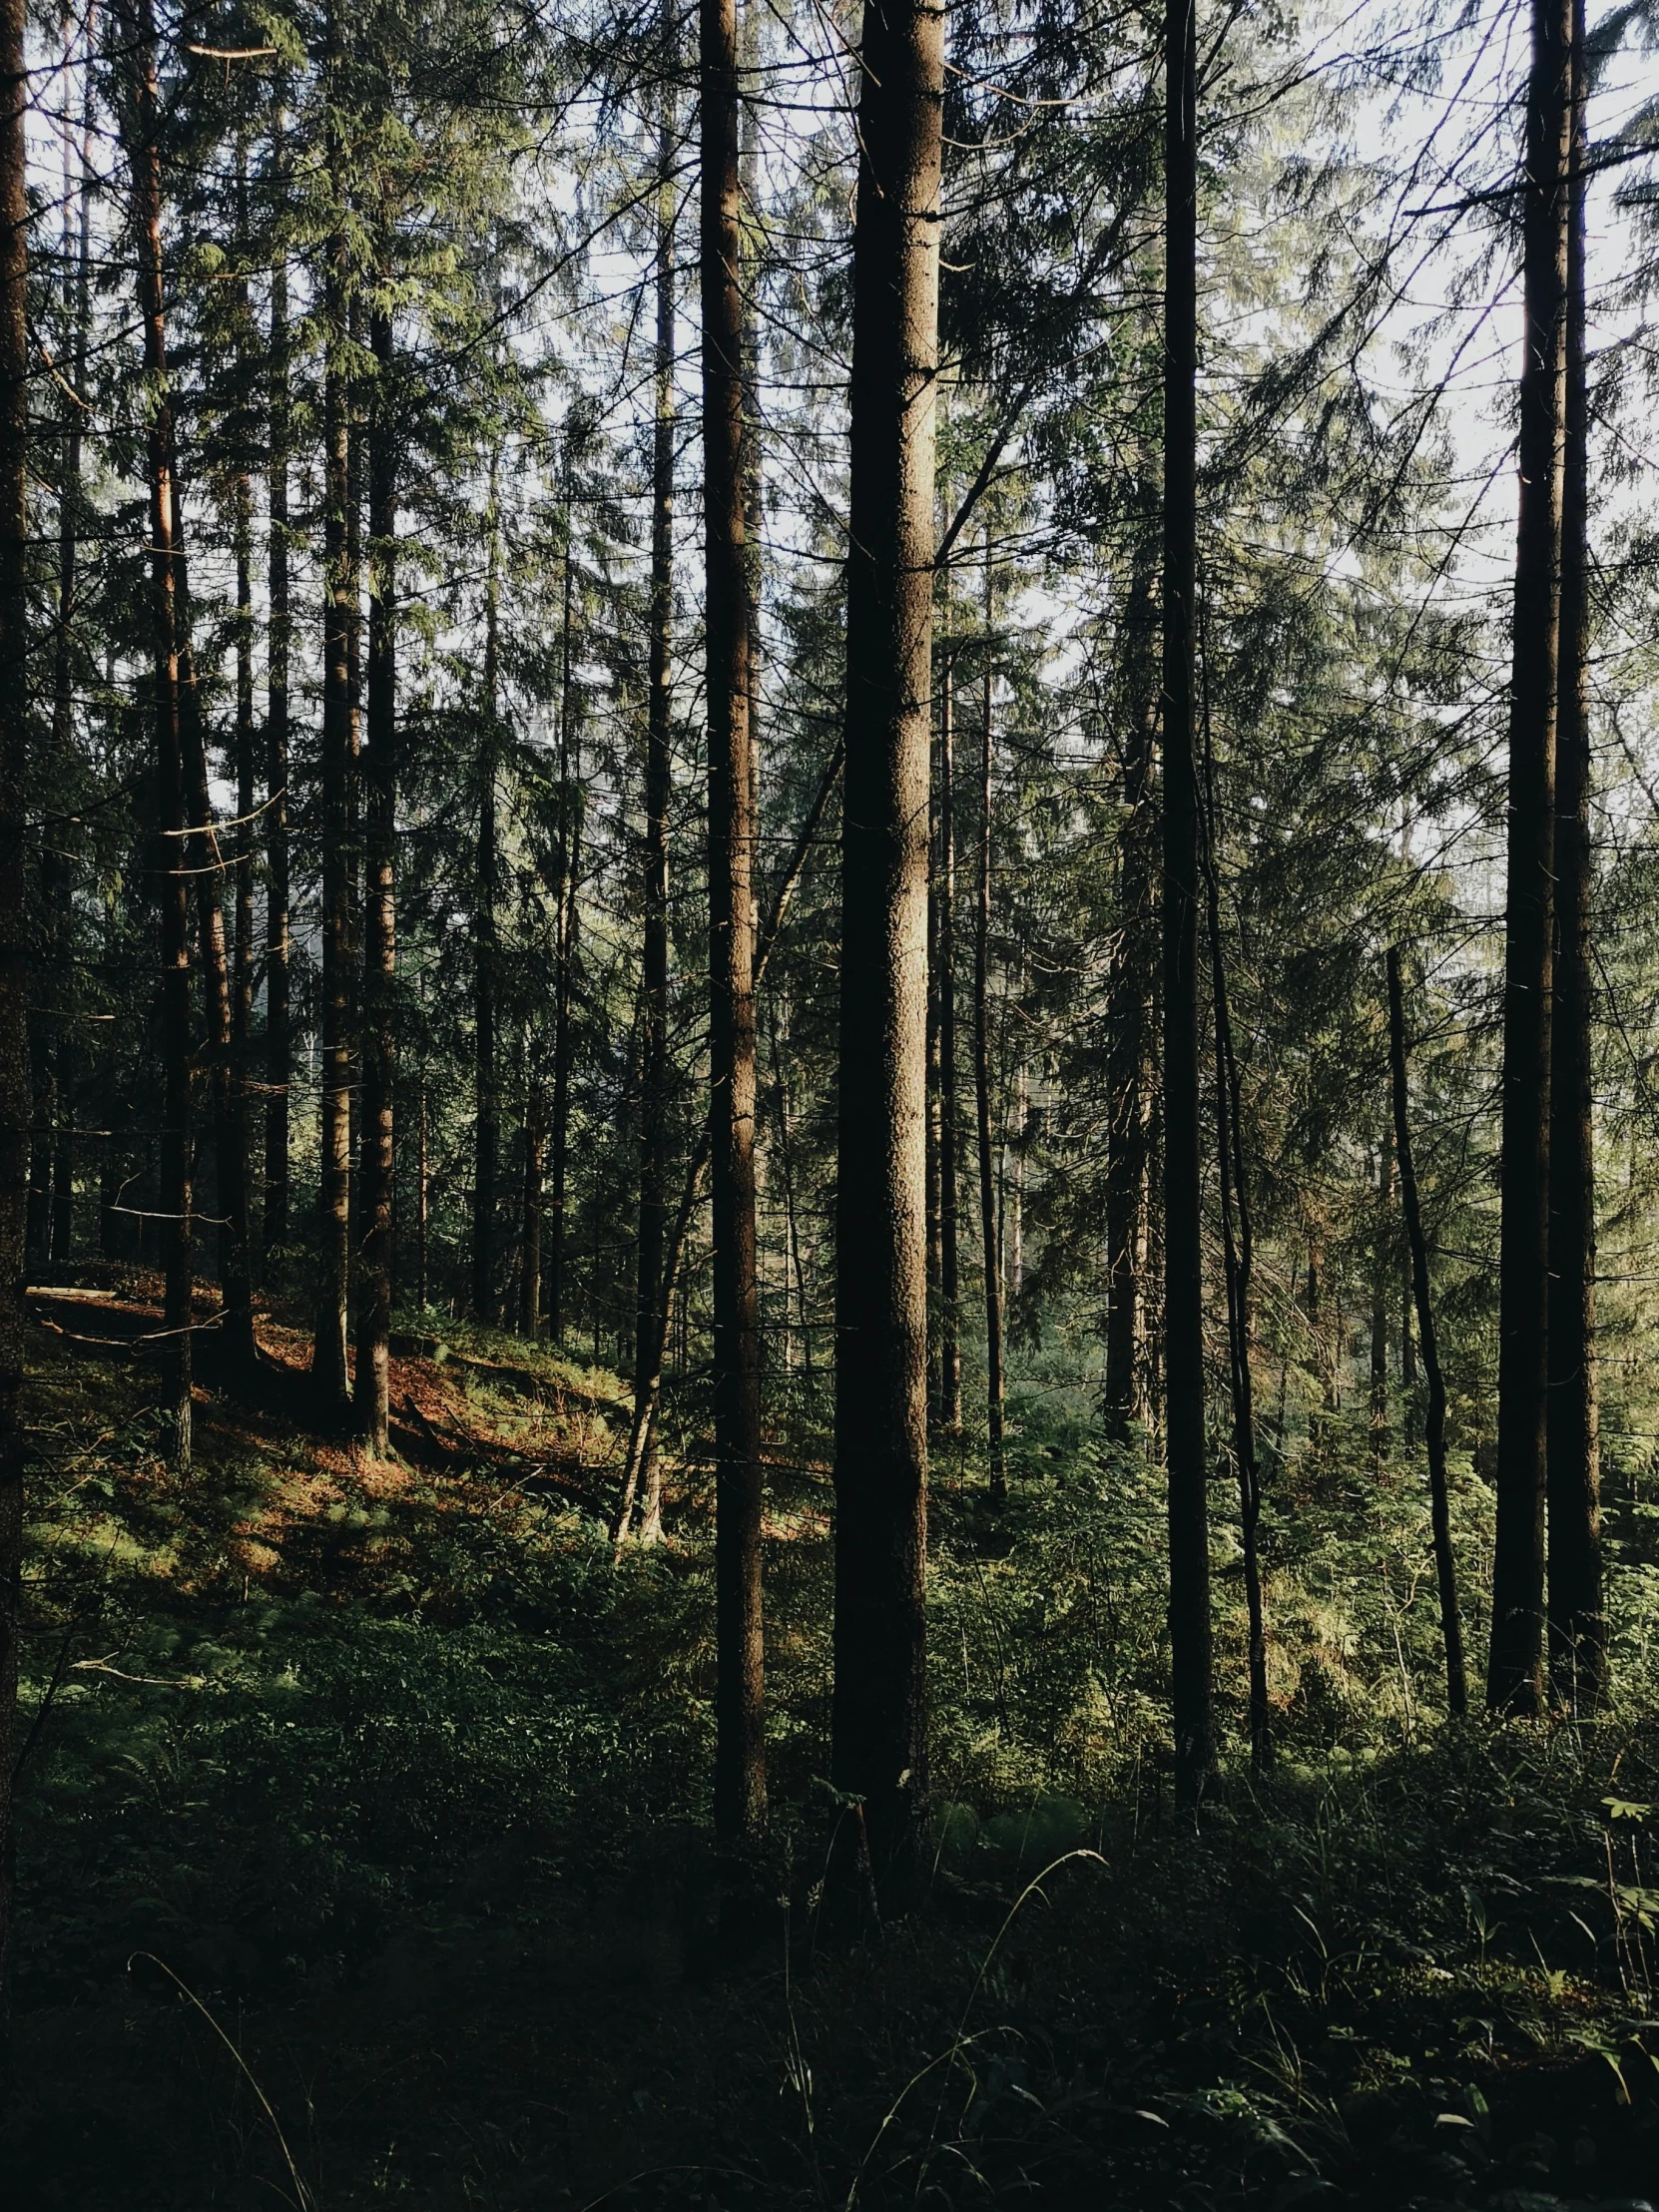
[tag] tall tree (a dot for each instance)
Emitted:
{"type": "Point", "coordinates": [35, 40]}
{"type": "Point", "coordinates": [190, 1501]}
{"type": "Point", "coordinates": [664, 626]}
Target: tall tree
{"type": "Point", "coordinates": [140, 127]}
{"type": "Point", "coordinates": [990, 1238]}
{"type": "Point", "coordinates": [279, 1049]}
{"type": "Point", "coordinates": [1440, 1501]}
{"type": "Point", "coordinates": [376, 1160]}
{"type": "Point", "coordinates": [879, 1751]}
{"type": "Point", "coordinates": [486, 936]}
{"type": "Point", "coordinates": [739, 1722]}
{"type": "Point", "coordinates": [1578, 1610]}
{"type": "Point", "coordinates": [14, 948]}
{"type": "Point", "coordinates": [1514, 1680]}
{"type": "Point", "coordinates": [329, 1356]}
{"type": "Point", "coordinates": [1189, 1533]}
{"type": "Point", "coordinates": [654, 1010]}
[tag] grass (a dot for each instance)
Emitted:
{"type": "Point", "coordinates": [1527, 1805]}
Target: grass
{"type": "Point", "coordinates": [365, 1857]}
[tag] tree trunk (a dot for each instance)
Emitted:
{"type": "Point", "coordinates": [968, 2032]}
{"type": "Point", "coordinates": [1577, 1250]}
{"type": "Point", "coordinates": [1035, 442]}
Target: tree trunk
{"type": "Point", "coordinates": [1131, 1073]}
{"type": "Point", "coordinates": [1577, 1607]}
{"type": "Point", "coordinates": [535, 1170]}
{"type": "Point", "coordinates": [376, 1162]}
{"type": "Point", "coordinates": [276, 1018]}
{"type": "Point", "coordinates": [740, 1719]}
{"type": "Point", "coordinates": [951, 1139]}
{"type": "Point", "coordinates": [564, 952]}
{"type": "Point", "coordinates": [329, 1356]}
{"type": "Point", "coordinates": [1446, 1563]}
{"type": "Point", "coordinates": [1381, 1282]}
{"type": "Point", "coordinates": [1514, 1680]}
{"type": "Point", "coordinates": [486, 1100]}
{"type": "Point", "coordinates": [649, 1321]}
{"type": "Point", "coordinates": [879, 1751]}
{"type": "Point", "coordinates": [1189, 1533]}
{"type": "Point", "coordinates": [1237, 1255]}
{"type": "Point", "coordinates": [241, 531]}
{"type": "Point", "coordinates": [14, 923]}
{"type": "Point", "coordinates": [140, 130]}
{"type": "Point", "coordinates": [990, 1240]}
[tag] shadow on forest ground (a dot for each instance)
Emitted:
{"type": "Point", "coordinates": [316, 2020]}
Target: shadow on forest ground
{"type": "Point", "coordinates": [363, 1861]}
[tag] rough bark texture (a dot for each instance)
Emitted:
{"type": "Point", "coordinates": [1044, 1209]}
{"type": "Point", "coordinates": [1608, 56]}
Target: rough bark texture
{"type": "Point", "coordinates": [329, 1356]}
{"type": "Point", "coordinates": [740, 1732]}
{"type": "Point", "coordinates": [990, 1240]}
{"type": "Point", "coordinates": [1514, 1682]}
{"type": "Point", "coordinates": [278, 1045]}
{"type": "Point", "coordinates": [879, 1718]}
{"type": "Point", "coordinates": [1446, 1563]}
{"type": "Point", "coordinates": [380, 772]}
{"type": "Point", "coordinates": [1577, 1606]}
{"type": "Point", "coordinates": [564, 867]}
{"type": "Point", "coordinates": [14, 950]}
{"type": "Point", "coordinates": [1189, 1535]}
{"type": "Point", "coordinates": [140, 122]}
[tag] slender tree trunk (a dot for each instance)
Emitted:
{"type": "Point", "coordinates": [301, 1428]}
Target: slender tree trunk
{"type": "Point", "coordinates": [76, 247]}
{"type": "Point", "coordinates": [14, 944]}
{"type": "Point", "coordinates": [208, 868]}
{"type": "Point", "coordinates": [878, 1754]}
{"type": "Point", "coordinates": [1189, 1533]}
{"type": "Point", "coordinates": [1382, 1281]}
{"type": "Point", "coordinates": [1514, 1680]}
{"type": "Point", "coordinates": [1237, 1255]}
{"type": "Point", "coordinates": [422, 1194]}
{"type": "Point", "coordinates": [241, 531]}
{"type": "Point", "coordinates": [329, 1356]}
{"type": "Point", "coordinates": [1131, 1073]}
{"type": "Point", "coordinates": [1446, 1563]}
{"type": "Point", "coordinates": [990, 1240]}
{"type": "Point", "coordinates": [564, 952]}
{"type": "Point", "coordinates": [486, 1090]}
{"type": "Point", "coordinates": [140, 128]}
{"type": "Point", "coordinates": [378, 1159]}
{"type": "Point", "coordinates": [535, 1171]}
{"type": "Point", "coordinates": [277, 1021]}
{"type": "Point", "coordinates": [740, 1719]}
{"type": "Point", "coordinates": [650, 1316]}
{"type": "Point", "coordinates": [1577, 1608]}
{"type": "Point", "coordinates": [951, 1139]}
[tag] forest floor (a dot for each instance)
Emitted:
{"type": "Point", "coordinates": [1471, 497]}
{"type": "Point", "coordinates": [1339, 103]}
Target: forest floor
{"type": "Point", "coordinates": [363, 1853]}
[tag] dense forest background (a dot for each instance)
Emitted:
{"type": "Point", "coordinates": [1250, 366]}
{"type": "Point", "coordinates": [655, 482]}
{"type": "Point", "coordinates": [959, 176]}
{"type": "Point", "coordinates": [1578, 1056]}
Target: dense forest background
{"type": "Point", "coordinates": [829, 1165]}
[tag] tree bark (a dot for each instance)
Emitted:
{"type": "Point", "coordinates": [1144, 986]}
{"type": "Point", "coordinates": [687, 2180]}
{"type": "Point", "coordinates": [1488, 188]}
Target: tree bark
{"type": "Point", "coordinates": [878, 1755]}
{"type": "Point", "coordinates": [1446, 1563]}
{"type": "Point", "coordinates": [535, 1171]}
{"type": "Point", "coordinates": [140, 130]}
{"type": "Point", "coordinates": [950, 1141]}
{"type": "Point", "coordinates": [14, 946]}
{"type": "Point", "coordinates": [278, 1041]}
{"type": "Point", "coordinates": [1189, 1533]}
{"type": "Point", "coordinates": [1131, 1074]}
{"type": "Point", "coordinates": [329, 1356]}
{"type": "Point", "coordinates": [650, 1318]}
{"type": "Point", "coordinates": [376, 1159]}
{"type": "Point", "coordinates": [241, 531]}
{"type": "Point", "coordinates": [564, 948]}
{"type": "Point", "coordinates": [1577, 1606]}
{"type": "Point", "coordinates": [486, 954]}
{"type": "Point", "coordinates": [1514, 1680]}
{"type": "Point", "coordinates": [990, 1238]}
{"type": "Point", "coordinates": [740, 1714]}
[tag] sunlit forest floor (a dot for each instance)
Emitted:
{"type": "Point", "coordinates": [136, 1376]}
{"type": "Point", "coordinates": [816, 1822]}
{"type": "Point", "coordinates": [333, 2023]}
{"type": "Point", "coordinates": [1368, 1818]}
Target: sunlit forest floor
{"type": "Point", "coordinates": [364, 1858]}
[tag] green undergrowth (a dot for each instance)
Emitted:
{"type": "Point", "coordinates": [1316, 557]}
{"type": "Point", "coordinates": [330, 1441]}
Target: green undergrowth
{"type": "Point", "coordinates": [363, 1845]}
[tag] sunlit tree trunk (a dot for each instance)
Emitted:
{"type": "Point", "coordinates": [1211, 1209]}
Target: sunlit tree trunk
{"type": "Point", "coordinates": [740, 1729]}
{"type": "Point", "coordinates": [879, 1751]}
{"type": "Point", "coordinates": [1577, 1606]}
{"type": "Point", "coordinates": [376, 1160]}
{"type": "Point", "coordinates": [1514, 1680]}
